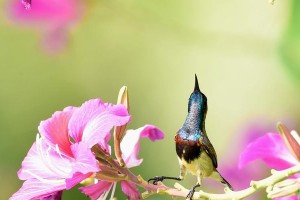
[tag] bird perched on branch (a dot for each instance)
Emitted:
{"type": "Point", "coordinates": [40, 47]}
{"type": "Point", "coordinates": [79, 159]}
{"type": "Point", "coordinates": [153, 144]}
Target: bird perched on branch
{"type": "Point", "coordinates": [195, 152]}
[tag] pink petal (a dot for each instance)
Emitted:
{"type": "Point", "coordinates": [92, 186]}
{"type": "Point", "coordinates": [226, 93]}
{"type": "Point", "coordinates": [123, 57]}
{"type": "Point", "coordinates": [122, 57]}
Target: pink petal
{"type": "Point", "coordinates": [44, 162]}
{"type": "Point", "coordinates": [86, 112]}
{"type": "Point", "coordinates": [96, 190]}
{"type": "Point", "coordinates": [104, 143]}
{"type": "Point", "coordinates": [34, 189]}
{"type": "Point", "coordinates": [130, 146]}
{"type": "Point", "coordinates": [130, 190]}
{"type": "Point", "coordinates": [152, 132]}
{"type": "Point", "coordinates": [75, 179]}
{"type": "Point", "coordinates": [93, 121]}
{"type": "Point", "coordinates": [228, 167]}
{"type": "Point", "coordinates": [85, 161]}
{"type": "Point", "coordinates": [84, 165]}
{"type": "Point", "coordinates": [271, 150]}
{"type": "Point", "coordinates": [97, 129]}
{"type": "Point", "coordinates": [55, 129]}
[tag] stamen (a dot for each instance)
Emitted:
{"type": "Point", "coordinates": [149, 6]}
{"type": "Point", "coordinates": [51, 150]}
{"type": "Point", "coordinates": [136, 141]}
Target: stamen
{"type": "Point", "coordinates": [58, 181]}
{"type": "Point", "coordinates": [103, 196]}
{"type": "Point", "coordinates": [95, 181]}
{"type": "Point", "coordinates": [113, 191]}
{"type": "Point", "coordinates": [61, 154]}
{"type": "Point", "coordinates": [48, 162]}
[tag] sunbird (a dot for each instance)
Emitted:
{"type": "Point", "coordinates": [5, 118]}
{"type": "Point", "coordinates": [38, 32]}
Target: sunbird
{"type": "Point", "coordinates": [195, 152]}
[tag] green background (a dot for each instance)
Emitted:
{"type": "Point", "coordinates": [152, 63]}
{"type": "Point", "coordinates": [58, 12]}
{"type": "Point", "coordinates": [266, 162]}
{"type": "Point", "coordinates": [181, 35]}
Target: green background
{"type": "Point", "coordinates": [245, 53]}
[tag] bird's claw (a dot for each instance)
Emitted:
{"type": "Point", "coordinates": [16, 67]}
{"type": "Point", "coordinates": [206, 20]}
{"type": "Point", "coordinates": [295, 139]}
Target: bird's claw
{"type": "Point", "coordinates": [190, 194]}
{"type": "Point", "coordinates": [192, 191]}
{"type": "Point", "coordinates": [156, 179]}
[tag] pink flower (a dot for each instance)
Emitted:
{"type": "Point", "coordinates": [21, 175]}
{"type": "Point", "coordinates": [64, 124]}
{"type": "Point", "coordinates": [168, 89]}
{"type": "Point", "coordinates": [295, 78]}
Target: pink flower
{"type": "Point", "coordinates": [271, 149]}
{"type": "Point", "coordinates": [240, 178]}
{"type": "Point", "coordinates": [61, 157]}
{"type": "Point", "coordinates": [275, 152]}
{"type": "Point", "coordinates": [53, 19]}
{"type": "Point", "coordinates": [130, 148]}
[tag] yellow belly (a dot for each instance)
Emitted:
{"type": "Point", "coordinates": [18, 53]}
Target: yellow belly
{"type": "Point", "coordinates": [202, 166]}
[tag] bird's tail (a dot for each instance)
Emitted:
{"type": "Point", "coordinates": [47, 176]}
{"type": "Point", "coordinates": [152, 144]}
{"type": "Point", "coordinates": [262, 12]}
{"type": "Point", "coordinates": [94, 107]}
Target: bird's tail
{"type": "Point", "coordinates": [226, 183]}
{"type": "Point", "coordinates": [220, 178]}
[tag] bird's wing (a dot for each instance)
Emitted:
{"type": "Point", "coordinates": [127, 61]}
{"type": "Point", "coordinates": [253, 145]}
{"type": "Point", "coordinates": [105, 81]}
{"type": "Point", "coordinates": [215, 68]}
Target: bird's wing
{"type": "Point", "coordinates": [209, 149]}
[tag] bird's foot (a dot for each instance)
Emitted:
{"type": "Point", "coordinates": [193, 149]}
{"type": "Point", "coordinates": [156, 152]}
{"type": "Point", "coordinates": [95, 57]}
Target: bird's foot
{"type": "Point", "coordinates": [156, 179]}
{"type": "Point", "coordinates": [191, 192]}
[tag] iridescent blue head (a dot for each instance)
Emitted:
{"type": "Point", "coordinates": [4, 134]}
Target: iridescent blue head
{"type": "Point", "coordinates": [194, 125]}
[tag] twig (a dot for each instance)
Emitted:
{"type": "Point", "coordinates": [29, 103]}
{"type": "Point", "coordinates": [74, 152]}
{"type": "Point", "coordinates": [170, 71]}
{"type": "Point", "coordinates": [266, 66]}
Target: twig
{"type": "Point", "coordinates": [180, 191]}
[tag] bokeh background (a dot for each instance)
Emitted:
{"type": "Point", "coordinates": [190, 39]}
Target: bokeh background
{"type": "Point", "coordinates": [246, 55]}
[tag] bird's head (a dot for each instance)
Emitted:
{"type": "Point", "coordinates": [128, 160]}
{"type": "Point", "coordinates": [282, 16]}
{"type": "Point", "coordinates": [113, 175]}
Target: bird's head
{"type": "Point", "coordinates": [194, 124]}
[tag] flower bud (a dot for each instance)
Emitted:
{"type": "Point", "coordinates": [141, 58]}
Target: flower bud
{"type": "Point", "coordinates": [119, 131]}
{"type": "Point", "coordinates": [291, 139]}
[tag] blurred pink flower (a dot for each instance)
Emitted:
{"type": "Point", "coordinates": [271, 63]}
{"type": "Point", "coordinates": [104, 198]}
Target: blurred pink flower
{"type": "Point", "coordinates": [130, 148]}
{"type": "Point", "coordinates": [240, 178]}
{"type": "Point", "coordinates": [62, 156]}
{"type": "Point", "coordinates": [27, 4]}
{"type": "Point", "coordinates": [273, 151]}
{"type": "Point", "coordinates": [53, 19]}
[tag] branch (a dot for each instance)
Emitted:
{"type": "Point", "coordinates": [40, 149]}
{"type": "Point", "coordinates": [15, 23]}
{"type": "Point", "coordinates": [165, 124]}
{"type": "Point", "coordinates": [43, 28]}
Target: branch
{"type": "Point", "coordinates": [114, 172]}
{"type": "Point", "coordinates": [180, 191]}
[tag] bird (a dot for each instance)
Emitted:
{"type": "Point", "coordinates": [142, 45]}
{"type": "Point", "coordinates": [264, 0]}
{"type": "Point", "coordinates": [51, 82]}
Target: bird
{"type": "Point", "coordinates": [195, 152]}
